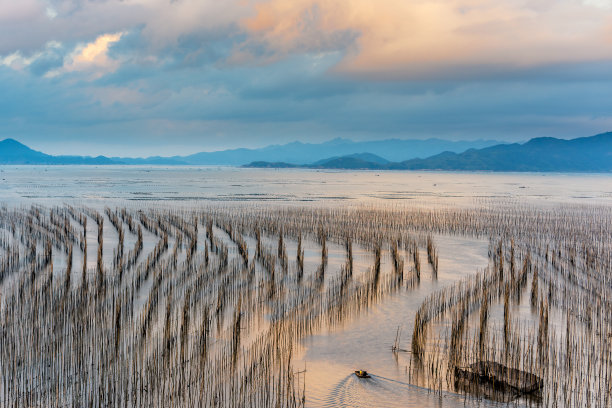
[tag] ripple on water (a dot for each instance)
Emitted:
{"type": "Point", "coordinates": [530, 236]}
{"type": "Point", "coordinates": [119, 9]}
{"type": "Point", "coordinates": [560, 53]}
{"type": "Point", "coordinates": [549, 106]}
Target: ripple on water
{"type": "Point", "coordinates": [379, 391]}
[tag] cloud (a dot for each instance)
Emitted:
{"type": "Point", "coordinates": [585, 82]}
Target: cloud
{"type": "Point", "coordinates": [603, 4]}
{"type": "Point", "coordinates": [18, 11]}
{"type": "Point", "coordinates": [51, 12]}
{"type": "Point", "coordinates": [280, 28]}
{"type": "Point", "coordinates": [26, 25]}
{"type": "Point", "coordinates": [388, 39]}
{"type": "Point", "coordinates": [211, 74]}
{"type": "Point", "coordinates": [91, 58]}
{"type": "Point", "coordinates": [439, 38]}
{"type": "Point", "coordinates": [50, 57]}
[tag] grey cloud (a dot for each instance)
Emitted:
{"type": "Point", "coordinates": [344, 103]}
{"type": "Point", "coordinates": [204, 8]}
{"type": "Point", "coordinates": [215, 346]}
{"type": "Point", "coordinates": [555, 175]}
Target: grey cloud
{"type": "Point", "coordinates": [186, 92]}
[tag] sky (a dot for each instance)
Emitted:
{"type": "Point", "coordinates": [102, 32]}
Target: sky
{"type": "Point", "coordinates": [149, 77]}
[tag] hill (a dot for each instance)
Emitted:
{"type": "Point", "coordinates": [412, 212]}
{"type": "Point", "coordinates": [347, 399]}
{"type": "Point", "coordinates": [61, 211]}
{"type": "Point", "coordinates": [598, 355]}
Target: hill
{"type": "Point", "coordinates": [356, 158]}
{"type": "Point", "coordinates": [546, 154]}
{"type": "Point", "coordinates": [586, 154]}
{"type": "Point", "coordinates": [307, 153]}
{"type": "Point", "coordinates": [13, 152]}
{"type": "Point", "coordinates": [381, 152]}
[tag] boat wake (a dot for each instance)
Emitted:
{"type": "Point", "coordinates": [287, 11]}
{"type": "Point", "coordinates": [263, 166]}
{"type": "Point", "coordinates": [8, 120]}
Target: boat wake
{"type": "Point", "coordinates": [375, 391]}
{"type": "Point", "coordinates": [378, 391]}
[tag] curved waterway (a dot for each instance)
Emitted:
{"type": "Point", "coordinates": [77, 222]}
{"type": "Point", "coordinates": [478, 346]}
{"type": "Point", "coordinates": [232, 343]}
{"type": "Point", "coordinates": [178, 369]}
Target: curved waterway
{"type": "Point", "coordinates": [365, 342]}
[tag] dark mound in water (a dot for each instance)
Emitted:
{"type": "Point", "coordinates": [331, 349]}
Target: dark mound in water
{"type": "Point", "coordinates": [497, 381]}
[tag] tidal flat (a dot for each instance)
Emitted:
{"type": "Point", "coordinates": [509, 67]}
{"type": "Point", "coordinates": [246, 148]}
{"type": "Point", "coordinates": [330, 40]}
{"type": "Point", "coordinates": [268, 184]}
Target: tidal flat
{"type": "Point", "coordinates": [189, 287]}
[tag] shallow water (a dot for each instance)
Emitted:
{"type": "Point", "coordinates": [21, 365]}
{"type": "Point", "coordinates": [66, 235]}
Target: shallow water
{"type": "Point", "coordinates": [123, 184]}
{"type": "Point", "coordinates": [380, 391]}
{"type": "Point", "coordinates": [365, 342]}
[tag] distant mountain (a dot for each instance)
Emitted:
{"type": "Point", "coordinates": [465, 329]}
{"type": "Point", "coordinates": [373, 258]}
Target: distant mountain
{"type": "Point", "coordinates": [272, 165]}
{"type": "Point", "coordinates": [347, 162]}
{"type": "Point", "coordinates": [153, 160]}
{"type": "Point", "coordinates": [306, 153]}
{"type": "Point", "coordinates": [364, 157]}
{"type": "Point", "coordinates": [586, 154]}
{"type": "Point", "coordinates": [13, 152]}
{"type": "Point", "coordinates": [381, 152]}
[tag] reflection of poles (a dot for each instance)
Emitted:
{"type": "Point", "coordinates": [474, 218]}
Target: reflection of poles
{"type": "Point", "coordinates": [417, 262]}
{"type": "Point", "coordinates": [376, 270]}
{"type": "Point", "coordinates": [84, 274]}
{"type": "Point", "coordinates": [398, 263]}
{"type": "Point", "coordinates": [303, 372]}
{"type": "Point", "coordinates": [506, 321]}
{"type": "Point", "coordinates": [419, 336]}
{"type": "Point", "coordinates": [349, 255]}
{"type": "Point", "coordinates": [432, 257]}
{"type": "Point", "coordinates": [484, 317]}
{"type": "Point", "coordinates": [300, 259]}
{"type": "Point", "coordinates": [398, 335]}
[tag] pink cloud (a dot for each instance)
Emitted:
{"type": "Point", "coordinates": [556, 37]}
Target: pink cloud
{"type": "Point", "coordinates": [419, 38]}
{"type": "Point", "coordinates": [91, 58]}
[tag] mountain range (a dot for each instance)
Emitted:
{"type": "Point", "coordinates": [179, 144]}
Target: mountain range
{"type": "Point", "coordinates": [545, 154]}
{"type": "Point", "coordinates": [13, 152]}
{"type": "Point", "coordinates": [586, 154]}
{"type": "Point", "coordinates": [305, 153]}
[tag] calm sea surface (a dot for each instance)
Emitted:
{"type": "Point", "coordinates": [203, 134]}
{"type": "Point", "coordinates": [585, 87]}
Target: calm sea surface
{"type": "Point", "coordinates": [121, 184]}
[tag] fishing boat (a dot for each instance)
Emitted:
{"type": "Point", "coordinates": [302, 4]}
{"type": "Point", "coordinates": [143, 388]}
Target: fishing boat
{"type": "Point", "coordinates": [362, 374]}
{"type": "Point", "coordinates": [500, 378]}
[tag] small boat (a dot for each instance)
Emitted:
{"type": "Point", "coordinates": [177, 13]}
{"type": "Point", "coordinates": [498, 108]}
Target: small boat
{"type": "Point", "coordinates": [500, 377]}
{"type": "Point", "coordinates": [362, 374]}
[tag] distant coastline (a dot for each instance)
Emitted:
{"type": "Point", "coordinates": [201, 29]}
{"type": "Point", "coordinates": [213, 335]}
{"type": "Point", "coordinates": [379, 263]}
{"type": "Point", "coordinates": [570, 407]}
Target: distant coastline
{"type": "Point", "coordinates": [581, 155]}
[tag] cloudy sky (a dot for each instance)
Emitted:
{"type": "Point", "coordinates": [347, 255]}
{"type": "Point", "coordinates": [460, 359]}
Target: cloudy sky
{"type": "Point", "coordinates": [144, 77]}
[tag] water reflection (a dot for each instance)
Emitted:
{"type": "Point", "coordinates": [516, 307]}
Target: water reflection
{"type": "Point", "coordinates": [365, 343]}
{"type": "Point", "coordinates": [95, 184]}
